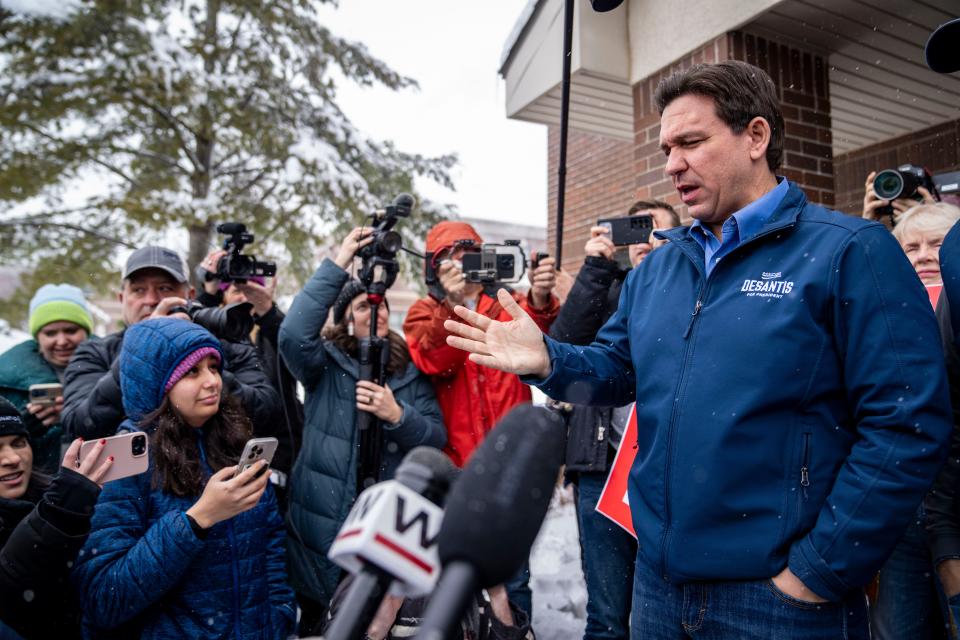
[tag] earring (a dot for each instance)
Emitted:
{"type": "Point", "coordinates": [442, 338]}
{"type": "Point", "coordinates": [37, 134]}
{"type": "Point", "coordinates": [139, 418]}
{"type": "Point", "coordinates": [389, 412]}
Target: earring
{"type": "Point", "coordinates": [350, 328]}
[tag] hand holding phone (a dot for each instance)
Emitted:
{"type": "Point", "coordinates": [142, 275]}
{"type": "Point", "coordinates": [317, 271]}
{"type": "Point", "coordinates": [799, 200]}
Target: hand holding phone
{"type": "Point", "coordinates": [227, 495]}
{"type": "Point", "coordinates": [93, 465]}
{"type": "Point", "coordinates": [255, 450]}
{"type": "Point", "coordinates": [45, 394]}
{"type": "Point", "coordinates": [127, 452]}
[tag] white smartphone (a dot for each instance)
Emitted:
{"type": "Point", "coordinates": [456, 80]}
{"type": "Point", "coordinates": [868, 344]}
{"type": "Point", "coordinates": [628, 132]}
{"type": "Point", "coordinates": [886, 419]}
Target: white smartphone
{"type": "Point", "coordinates": [129, 451]}
{"type": "Point", "coordinates": [255, 450]}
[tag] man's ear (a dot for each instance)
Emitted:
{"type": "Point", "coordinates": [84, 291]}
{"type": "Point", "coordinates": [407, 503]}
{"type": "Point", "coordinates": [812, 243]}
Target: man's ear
{"type": "Point", "coordinates": [759, 132]}
{"type": "Point", "coordinates": [191, 293]}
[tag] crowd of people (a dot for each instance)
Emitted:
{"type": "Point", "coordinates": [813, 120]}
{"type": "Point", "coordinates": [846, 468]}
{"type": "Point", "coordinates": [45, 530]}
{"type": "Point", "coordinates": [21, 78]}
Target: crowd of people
{"type": "Point", "coordinates": [783, 362]}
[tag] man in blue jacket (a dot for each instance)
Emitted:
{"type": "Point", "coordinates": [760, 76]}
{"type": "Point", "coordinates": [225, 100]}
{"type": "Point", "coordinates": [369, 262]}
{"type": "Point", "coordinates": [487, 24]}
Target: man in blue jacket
{"type": "Point", "coordinates": [789, 386]}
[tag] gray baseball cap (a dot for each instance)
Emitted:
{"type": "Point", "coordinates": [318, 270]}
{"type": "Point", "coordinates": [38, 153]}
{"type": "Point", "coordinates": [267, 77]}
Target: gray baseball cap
{"type": "Point", "coordinates": [156, 258]}
{"type": "Point", "coordinates": [943, 48]}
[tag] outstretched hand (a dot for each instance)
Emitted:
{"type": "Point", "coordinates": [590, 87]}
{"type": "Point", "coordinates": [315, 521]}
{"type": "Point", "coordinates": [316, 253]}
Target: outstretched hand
{"type": "Point", "coordinates": [515, 347]}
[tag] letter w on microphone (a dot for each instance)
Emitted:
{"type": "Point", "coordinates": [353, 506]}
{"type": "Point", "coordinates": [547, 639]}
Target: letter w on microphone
{"type": "Point", "coordinates": [396, 529]}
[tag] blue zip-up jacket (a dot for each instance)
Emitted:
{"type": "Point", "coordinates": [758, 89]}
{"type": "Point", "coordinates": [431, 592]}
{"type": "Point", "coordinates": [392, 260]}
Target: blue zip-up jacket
{"type": "Point", "coordinates": [792, 407]}
{"type": "Point", "coordinates": [144, 573]}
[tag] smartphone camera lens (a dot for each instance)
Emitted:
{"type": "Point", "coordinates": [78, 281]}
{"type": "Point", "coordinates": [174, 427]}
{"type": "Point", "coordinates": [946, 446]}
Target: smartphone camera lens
{"type": "Point", "coordinates": [138, 445]}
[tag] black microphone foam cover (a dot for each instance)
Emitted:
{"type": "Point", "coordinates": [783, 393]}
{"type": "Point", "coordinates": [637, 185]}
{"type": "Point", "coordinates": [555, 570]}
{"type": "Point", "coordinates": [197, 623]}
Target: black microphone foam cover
{"type": "Point", "coordinates": [601, 6]}
{"type": "Point", "coordinates": [495, 509]}
{"type": "Point", "coordinates": [429, 472]}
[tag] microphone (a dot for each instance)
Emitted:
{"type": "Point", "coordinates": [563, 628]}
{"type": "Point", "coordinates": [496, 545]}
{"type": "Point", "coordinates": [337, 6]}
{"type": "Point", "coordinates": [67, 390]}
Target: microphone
{"type": "Point", "coordinates": [390, 532]}
{"type": "Point", "coordinates": [601, 6]}
{"type": "Point", "coordinates": [494, 512]}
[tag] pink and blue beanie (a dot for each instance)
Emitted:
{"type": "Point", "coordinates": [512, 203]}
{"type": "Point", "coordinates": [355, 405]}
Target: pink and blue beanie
{"type": "Point", "coordinates": [155, 355]}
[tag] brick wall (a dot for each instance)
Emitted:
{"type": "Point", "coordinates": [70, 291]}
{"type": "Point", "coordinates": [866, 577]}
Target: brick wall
{"type": "Point", "coordinates": [600, 179]}
{"type": "Point", "coordinates": [937, 148]}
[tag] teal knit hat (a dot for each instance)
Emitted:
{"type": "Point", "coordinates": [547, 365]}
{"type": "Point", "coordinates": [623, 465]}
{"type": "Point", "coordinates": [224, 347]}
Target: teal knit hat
{"type": "Point", "coordinates": [56, 302]}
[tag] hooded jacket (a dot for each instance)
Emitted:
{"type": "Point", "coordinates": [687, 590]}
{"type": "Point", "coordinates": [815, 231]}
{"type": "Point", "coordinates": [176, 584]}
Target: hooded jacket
{"type": "Point", "coordinates": [471, 397]}
{"type": "Point", "coordinates": [145, 573]}
{"type": "Point", "coordinates": [792, 406]}
{"type": "Point", "coordinates": [324, 478]}
{"type": "Point", "coordinates": [92, 402]}
{"type": "Point", "coordinates": [21, 366]}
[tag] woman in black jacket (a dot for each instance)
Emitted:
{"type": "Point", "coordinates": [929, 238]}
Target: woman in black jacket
{"type": "Point", "coordinates": [43, 525]}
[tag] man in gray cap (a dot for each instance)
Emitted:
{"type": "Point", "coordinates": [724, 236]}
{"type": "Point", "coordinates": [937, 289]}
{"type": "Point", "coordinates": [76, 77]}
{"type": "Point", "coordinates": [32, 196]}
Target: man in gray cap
{"type": "Point", "coordinates": [154, 283]}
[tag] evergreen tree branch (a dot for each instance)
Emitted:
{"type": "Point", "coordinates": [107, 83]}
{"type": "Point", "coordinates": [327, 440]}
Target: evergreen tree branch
{"type": "Point", "coordinates": [175, 124]}
{"type": "Point", "coordinates": [88, 152]}
{"type": "Point", "coordinates": [38, 221]}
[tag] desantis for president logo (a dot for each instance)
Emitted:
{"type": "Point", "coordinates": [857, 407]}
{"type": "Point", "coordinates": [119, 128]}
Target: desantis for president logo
{"type": "Point", "coordinates": [770, 285]}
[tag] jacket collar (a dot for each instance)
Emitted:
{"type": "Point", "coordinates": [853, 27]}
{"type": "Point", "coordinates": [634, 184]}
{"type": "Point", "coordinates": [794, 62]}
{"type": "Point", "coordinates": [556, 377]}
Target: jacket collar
{"type": "Point", "coordinates": [785, 215]}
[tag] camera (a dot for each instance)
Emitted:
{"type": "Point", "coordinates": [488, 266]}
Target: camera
{"type": "Point", "coordinates": [236, 267]}
{"type": "Point", "coordinates": [232, 322]}
{"type": "Point", "coordinates": [379, 269]}
{"type": "Point", "coordinates": [487, 264]}
{"type": "Point", "coordinates": [903, 182]}
{"type": "Point", "coordinates": [138, 445]}
{"type": "Point", "coordinates": [628, 229]}
{"type": "Point", "coordinates": [495, 263]}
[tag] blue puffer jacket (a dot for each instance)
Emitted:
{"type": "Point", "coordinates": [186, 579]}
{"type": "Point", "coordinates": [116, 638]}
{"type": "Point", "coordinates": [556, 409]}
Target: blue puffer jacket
{"type": "Point", "coordinates": [792, 407]}
{"type": "Point", "coordinates": [145, 573]}
{"type": "Point", "coordinates": [323, 483]}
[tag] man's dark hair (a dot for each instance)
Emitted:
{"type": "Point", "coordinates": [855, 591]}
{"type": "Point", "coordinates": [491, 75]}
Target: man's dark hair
{"type": "Point", "coordinates": [740, 92]}
{"type": "Point", "coordinates": [645, 205]}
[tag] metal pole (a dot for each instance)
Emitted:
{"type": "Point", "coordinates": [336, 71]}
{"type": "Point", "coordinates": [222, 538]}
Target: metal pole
{"type": "Point", "coordinates": [564, 117]}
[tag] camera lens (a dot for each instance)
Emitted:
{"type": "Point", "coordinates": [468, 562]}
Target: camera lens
{"type": "Point", "coordinates": [251, 455]}
{"type": "Point", "coordinates": [390, 242]}
{"type": "Point", "coordinates": [138, 445]}
{"type": "Point", "coordinates": [888, 184]}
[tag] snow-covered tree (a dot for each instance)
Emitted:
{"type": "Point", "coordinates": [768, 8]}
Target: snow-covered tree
{"type": "Point", "coordinates": [124, 119]}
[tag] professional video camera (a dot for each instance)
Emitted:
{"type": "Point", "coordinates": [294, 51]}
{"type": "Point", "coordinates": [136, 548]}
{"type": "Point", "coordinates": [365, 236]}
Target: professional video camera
{"type": "Point", "coordinates": [905, 180]}
{"type": "Point", "coordinates": [380, 266]}
{"type": "Point", "coordinates": [377, 272]}
{"type": "Point", "coordinates": [231, 322]}
{"type": "Point", "coordinates": [487, 264]}
{"type": "Point", "coordinates": [236, 267]}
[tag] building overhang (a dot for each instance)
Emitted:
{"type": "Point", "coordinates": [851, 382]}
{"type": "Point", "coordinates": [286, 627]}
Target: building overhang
{"type": "Point", "coordinates": [880, 87]}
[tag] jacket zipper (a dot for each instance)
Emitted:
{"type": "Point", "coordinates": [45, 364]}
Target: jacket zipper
{"type": "Point", "coordinates": [234, 564]}
{"type": "Point", "coordinates": [701, 296]}
{"type": "Point", "coordinates": [805, 467]}
{"type": "Point", "coordinates": [671, 428]}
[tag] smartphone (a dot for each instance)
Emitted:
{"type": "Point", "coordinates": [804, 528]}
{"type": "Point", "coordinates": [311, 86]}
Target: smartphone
{"type": "Point", "coordinates": [129, 451]}
{"type": "Point", "coordinates": [255, 450]}
{"type": "Point", "coordinates": [628, 229]}
{"type": "Point", "coordinates": [45, 394]}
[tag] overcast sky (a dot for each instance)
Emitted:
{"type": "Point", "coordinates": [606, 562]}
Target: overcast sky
{"type": "Point", "coordinates": [452, 48]}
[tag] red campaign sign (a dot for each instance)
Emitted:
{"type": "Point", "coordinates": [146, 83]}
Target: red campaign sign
{"type": "Point", "coordinates": [613, 502]}
{"type": "Point", "coordinates": [933, 290]}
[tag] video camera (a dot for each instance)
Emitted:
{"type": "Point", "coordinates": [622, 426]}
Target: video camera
{"type": "Point", "coordinates": [487, 264]}
{"type": "Point", "coordinates": [380, 256]}
{"type": "Point", "coordinates": [905, 180]}
{"type": "Point", "coordinates": [236, 267]}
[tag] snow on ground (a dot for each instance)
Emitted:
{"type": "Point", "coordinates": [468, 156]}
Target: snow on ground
{"type": "Point", "coordinates": [559, 593]}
